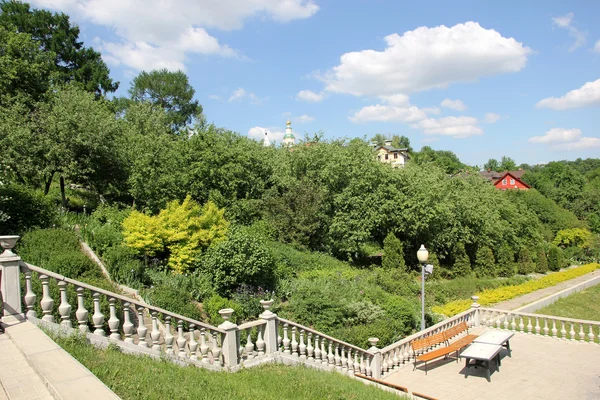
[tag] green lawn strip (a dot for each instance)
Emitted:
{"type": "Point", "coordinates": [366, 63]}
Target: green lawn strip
{"type": "Point", "coordinates": [140, 377]}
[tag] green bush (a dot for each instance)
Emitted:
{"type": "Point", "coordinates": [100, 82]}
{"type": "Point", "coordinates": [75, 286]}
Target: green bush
{"type": "Point", "coordinates": [505, 261]}
{"type": "Point", "coordinates": [215, 303]}
{"type": "Point", "coordinates": [484, 262]}
{"type": "Point", "coordinates": [541, 262]}
{"type": "Point", "coordinates": [174, 300]}
{"type": "Point", "coordinates": [124, 267]}
{"type": "Point", "coordinates": [574, 254]}
{"type": "Point", "coordinates": [240, 260]}
{"type": "Point", "coordinates": [444, 291]}
{"type": "Point", "coordinates": [555, 258]}
{"type": "Point", "coordinates": [197, 284]}
{"type": "Point", "coordinates": [462, 263]}
{"type": "Point", "coordinates": [22, 209]}
{"type": "Point", "coordinates": [393, 253]}
{"type": "Point", "coordinates": [525, 263]}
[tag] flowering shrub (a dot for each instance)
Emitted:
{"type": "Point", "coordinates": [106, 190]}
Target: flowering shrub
{"type": "Point", "coordinates": [489, 297]}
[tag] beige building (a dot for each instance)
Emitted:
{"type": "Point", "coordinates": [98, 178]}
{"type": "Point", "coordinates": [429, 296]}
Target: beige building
{"type": "Point", "coordinates": [391, 155]}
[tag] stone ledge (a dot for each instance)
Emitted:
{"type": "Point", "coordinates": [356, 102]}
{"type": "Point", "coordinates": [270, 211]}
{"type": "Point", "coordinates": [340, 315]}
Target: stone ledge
{"type": "Point", "coordinates": [63, 375]}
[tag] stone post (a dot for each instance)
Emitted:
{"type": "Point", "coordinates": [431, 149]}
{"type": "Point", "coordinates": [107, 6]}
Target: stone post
{"type": "Point", "coordinates": [475, 306]}
{"type": "Point", "coordinates": [270, 336]}
{"type": "Point", "coordinates": [10, 288]}
{"type": "Point", "coordinates": [230, 339]}
{"type": "Point", "coordinates": [376, 360]}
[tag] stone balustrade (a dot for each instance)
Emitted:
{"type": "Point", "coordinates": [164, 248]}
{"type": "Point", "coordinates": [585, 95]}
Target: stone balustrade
{"type": "Point", "coordinates": [398, 354]}
{"type": "Point", "coordinates": [544, 325]}
{"type": "Point", "coordinates": [307, 346]}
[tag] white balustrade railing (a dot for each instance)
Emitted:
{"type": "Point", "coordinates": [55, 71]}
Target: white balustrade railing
{"type": "Point", "coordinates": [312, 347]}
{"type": "Point", "coordinates": [183, 337]}
{"type": "Point", "coordinates": [541, 325]}
{"type": "Point", "coordinates": [252, 342]}
{"type": "Point", "coordinates": [400, 353]}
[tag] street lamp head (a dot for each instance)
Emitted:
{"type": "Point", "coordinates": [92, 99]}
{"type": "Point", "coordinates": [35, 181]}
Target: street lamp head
{"type": "Point", "coordinates": [429, 269]}
{"type": "Point", "coordinates": [422, 254]}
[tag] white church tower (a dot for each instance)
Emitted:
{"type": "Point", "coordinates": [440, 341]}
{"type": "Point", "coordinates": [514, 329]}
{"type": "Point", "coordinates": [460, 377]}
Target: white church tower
{"type": "Point", "coordinates": [288, 139]}
{"type": "Point", "coordinates": [266, 142]}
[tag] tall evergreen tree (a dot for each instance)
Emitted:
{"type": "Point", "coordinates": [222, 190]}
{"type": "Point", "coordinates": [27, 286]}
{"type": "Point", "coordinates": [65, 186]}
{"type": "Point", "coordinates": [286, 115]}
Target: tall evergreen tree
{"type": "Point", "coordinates": [393, 253]}
{"type": "Point", "coordinates": [484, 262]}
{"type": "Point", "coordinates": [505, 262]}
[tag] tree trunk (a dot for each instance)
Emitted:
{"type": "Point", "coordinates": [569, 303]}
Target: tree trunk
{"type": "Point", "coordinates": [62, 192]}
{"type": "Point", "coordinates": [48, 183]}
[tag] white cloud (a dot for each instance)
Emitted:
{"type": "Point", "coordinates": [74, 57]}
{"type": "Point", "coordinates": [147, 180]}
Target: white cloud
{"type": "Point", "coordinates": [492, 118]}
{"type": "Point", "coordinates": [457, 127]}
{"type": "Point", "coordinates": [426, 58]}
{"type": "Point", "coordinates": [161, 33]}
{"type": "Point", "coordinates": [566, 22]}
{"type": "Point", "coordinates": [454, 104]}
{"type": "Point", "coordinates": [396, 108]}
{"type": "Point", "coordinates": [215, 97]}
{"type": "Point", "coordinates": [303, 119]}
{"type": "Point", "coordinates": [241, 94]}
{"type": "Point", "coordinates": [597, 47]}
{"type": "Point", "coordinates": [258, 133]}
{"type": "Point", "coordinates": [587, 95]}
{"type": "Point", "coordinates": [432, 110]}
{"type": "Point", "coordinates": [582, 144]}
{"type": "Point", "coordinates": [557, 135]}
{"type": "Point", "coordinates": [430, 139]}
{"type": "Point", "coordinates": [309, 96]}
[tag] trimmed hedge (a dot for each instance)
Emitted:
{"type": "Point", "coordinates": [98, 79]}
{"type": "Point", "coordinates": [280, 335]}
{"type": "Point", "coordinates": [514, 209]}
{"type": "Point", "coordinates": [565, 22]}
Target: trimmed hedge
{"type": "Point", "coordinates": [489, 297]}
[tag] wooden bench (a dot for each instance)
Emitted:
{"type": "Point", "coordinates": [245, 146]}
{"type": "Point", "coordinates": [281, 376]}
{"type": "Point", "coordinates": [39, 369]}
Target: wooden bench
{"type": "Point", "coordinates": [442, 338]}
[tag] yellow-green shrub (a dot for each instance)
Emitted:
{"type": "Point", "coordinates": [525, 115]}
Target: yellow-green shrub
{"type": "Point", "coordinates": [489, 297]}
{"type": "Point", "coordinates": [574, 237]}
{"type": "Point", "coordinates": [183, 231]}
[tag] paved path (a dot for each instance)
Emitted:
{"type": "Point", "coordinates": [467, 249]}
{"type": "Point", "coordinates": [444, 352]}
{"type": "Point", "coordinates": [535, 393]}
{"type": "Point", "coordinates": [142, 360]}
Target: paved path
{"type": "Point", "coordinates": [540, 294]}
{"type": "Point", "coordinates": [17, 379]}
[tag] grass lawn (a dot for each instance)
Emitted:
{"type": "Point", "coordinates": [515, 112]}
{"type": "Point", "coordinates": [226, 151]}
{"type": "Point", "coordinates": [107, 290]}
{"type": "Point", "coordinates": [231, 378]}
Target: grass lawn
{"type": "Point", "coordinates": [138, 377]}
{"type": "Point", "coordinates": [581, 305]}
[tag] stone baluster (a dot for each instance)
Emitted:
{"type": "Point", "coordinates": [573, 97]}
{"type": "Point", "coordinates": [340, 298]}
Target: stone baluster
{"type": "Point", "coordinates": [513, 324]}
{"type": "Point", "coordinates": [317, 350]}
{"type": "Point", "coordinates": [310, 350]}
{"type": "Point", "coordinates": [554, 330]}
{"type": "Point", "coordinates": [168, 337]}
{"type": "Point", "coordinates": [521, 326]}
{"type": "Point", "coordinates": [216, 350]}
{"type": "Point", "coordinates": [98, 317]}
{"type": "Point", "coordinates": [396, 359]}
{"type": "Point", "coordinates": [356, 363]}
{"type": "Point", "coordinates": [506, 321]}
{"type": "Point", "coordinates": [47, 303]}
{"type": "Point", "coordinates": [324, 360]}
{"type": "Point", "coordinates": [498, 322]}
{"type": "Point", "coordinates": [64, 309]}
{"type": "Point", "coordinates": [302, 347]}
{"type": "Point", "coordinates": [572, 332]}
{"type": "Point", "coordinates": [407, 353]}
{"type": "Point", "coordinates": [336, 358]}
{"type": "Point", "coordinates": [384, 363]}
{"type": "Point", "coordinates": [249, 345]}
{"type": "Point", "coordinates": [330, 355]}
{"type": "Point", "coordinates": [81, 313]}
{"type": "Point", "coordinates": [127, 324]}
{"type": "Point", "coordinates": [591, 334]}
{"type": "Point", "coordinates": [581, 333]}
{"type": "Point", "coordinates": [350, 361]}
{"type": "Point", "coordinates": [260, 343]}
{"type": "Point", "coordinates": [563, 331]}
{"type": "Point", "coordinates": [529, 326]}
{"type": "Point", "coordinates": [294, 342]}
{"type": "Point", "coordinates": [193, 343]}
{"type": "Point", "coordinates": [141, 329]}
{"type": "Point", "coordinates": [113, 321]}
{"type": "Point", "coordinates": [546, 329]}
{"type": "Point", "coordinates": [204, 347]}
{"type": "Point", "coordinates": [363, 364]}
{"type": "Point", "coordinates": [537, 326]}
{"type": "Point", "coordinates": [30, 297]}
{"type": "Point", "coordinates": [155, 333]}
{"type": "Point", "coordinates": [181, 340]}
{"type": "Point", "coordinates": [344, 358]}
{"type": "Point", "coordinates": [368, 371]}
{"type": "Point", "coordinates": [286, 341]}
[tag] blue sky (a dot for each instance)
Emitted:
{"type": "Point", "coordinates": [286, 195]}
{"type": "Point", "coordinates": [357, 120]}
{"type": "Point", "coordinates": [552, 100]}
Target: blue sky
{"type": "Point", "coordinates": [483, 79]}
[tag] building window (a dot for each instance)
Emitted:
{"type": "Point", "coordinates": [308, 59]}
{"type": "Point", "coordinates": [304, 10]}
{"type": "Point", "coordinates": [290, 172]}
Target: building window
{"type": "Point", "coordinates": [387, 156]}
{"type": "Point", "coordinates": [395, 155]}
{"type": "Point", "coordinates": [504, 181]}
{"type": "Point", "coordinates": [512, 181]}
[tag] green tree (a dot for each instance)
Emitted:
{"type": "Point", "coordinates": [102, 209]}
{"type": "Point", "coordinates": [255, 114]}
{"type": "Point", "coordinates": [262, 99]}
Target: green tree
{"type": "Point", "coordinates": [393, 253]}
{"type": "Point", "coordinates": [462, 263]}
{"type": "Point", "coordinates": [54, 33]}
{"type": "Point", "coordinates": [484, 262]}
{"type": "Point", "coordinates": [401, 142]}
{"type": "Point", "coordinates": [541, 262]}
{"type": "Point", "coordinates": [446, 160]}
{"type": "Point", "coordinates": [507, 164]}
{"type": "Point", "coordinates": [555, 258]}
{"type": "Point", "coordinates": [492, 164]}
{"type": "Point", "coordinates": [168, 91]}
{"type": "Point", "coordinates": [505, 261]}
{"type": "Point", "coordinates": [525, 264]}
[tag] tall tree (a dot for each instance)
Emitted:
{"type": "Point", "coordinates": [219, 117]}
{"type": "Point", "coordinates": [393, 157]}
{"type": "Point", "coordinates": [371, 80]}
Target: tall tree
{"type": "Point", "coordinates": [492, 164]}
{"type": "Point", "coordinates": [54, 33]}
{"type": "Point", "coordinates": [170, 91]}
{"type": "Point", "coordinates": [507, 164]}
{"type": "Point", "coordinates": [393, 253]}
